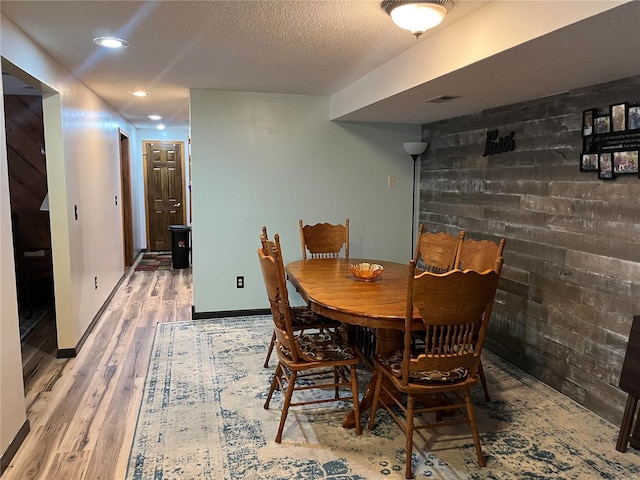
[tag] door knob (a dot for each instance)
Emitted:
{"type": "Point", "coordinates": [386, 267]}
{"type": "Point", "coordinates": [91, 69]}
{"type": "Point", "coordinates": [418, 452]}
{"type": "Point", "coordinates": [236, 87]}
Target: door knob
{"type": "Point", "coordinates": [176, 205]}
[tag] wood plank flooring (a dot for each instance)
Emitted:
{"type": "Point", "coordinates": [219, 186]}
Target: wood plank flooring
{"type": "Point", "coordinates": [83, 410]}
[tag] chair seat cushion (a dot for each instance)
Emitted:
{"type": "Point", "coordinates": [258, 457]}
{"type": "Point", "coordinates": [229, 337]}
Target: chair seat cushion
{"type": "Point", "coordinates": [322, 347]}
{"type": "Point", "coordinates": [304, 317]}
{"type": "Point", "coordinates": [394, 363]}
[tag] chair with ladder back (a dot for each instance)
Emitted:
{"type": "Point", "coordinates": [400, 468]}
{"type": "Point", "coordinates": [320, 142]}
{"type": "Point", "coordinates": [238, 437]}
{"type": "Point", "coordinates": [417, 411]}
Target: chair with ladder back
{"type": "Point", "coordinates": [306, 361]}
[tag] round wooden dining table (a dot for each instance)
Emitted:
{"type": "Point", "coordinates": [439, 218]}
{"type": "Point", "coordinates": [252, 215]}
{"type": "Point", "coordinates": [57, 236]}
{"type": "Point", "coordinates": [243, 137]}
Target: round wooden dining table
{"type": "Point", "coordinates": [330, 289]}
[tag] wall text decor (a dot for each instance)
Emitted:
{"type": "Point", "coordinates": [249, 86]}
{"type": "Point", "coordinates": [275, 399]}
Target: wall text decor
{"type": "Point", "coordinates": [495, 145]}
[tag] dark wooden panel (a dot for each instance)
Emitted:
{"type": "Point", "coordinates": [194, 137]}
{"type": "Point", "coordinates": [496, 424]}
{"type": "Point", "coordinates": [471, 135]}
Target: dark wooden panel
{"type": "Point", "coordinates": [26, 165]}
{"type": "Point", "coordinates": [572, 257]}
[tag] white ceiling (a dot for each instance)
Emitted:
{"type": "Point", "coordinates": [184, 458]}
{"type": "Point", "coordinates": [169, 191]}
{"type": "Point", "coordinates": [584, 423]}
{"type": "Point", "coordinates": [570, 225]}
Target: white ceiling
{"type": "Point", "coordinates": [306, 47]}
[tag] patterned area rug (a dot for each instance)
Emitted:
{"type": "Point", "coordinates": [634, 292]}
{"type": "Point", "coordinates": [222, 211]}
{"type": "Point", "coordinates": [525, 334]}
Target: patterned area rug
{"type": "Point", "coordinates": [202, 417]}
{"type": "Point", "coordinates": [152, 261]}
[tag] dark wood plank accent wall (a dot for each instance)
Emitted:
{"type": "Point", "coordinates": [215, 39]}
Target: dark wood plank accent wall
{"type": "Point", "coordinates": [570, 282]}
{"type": "Point", "coordinates": [27, 171]}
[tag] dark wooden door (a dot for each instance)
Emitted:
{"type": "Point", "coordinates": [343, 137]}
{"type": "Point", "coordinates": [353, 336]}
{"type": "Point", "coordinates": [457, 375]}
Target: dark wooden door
{"type": "Point", "coordinates": [165, 191]}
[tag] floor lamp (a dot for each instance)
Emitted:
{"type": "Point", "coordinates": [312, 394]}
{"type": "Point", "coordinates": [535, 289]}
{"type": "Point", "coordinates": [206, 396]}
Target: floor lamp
{"type": "Point", "coordinates": [415, 149]}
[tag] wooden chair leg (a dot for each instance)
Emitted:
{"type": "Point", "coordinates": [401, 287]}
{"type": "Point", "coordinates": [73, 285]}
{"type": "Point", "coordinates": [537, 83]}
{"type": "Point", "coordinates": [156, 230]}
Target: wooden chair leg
{"type": "Point", "coordinates": [270, 350]}
{"type": "Point", "coordinates": [474, 428]}
{"type": "Point", "coordinates": [376, 399]}
{"type": "Point", "coordinates": [409, 444]}
{"type": "Point", "coordinates": [274, 385]}
{"type": "Point", "coordinates": [627, 422]}
{"type": "Point", "coordinates": [484, 382]}
{"type": "Point", "coordinates": [285, 405]}
{"type": "Point", "coordinates": [635, 435]}
{"type": "Point", "coordinates": [356, 399]}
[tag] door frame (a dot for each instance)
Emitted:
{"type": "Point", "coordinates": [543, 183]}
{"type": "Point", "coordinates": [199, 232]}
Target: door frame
{"type": "Point", "coordinates": [145, 145]}
{"type": "Point", "coordinates": [125, 198]}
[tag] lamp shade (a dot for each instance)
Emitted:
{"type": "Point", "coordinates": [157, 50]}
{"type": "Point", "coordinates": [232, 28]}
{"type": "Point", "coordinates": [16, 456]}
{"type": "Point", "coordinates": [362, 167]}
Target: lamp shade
{"type": "Point", "coordinates": [415, 148]}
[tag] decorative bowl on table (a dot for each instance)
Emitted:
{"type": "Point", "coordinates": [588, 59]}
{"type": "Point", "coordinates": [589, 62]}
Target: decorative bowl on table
{"type": "Point", "coordinates": [366, 271]}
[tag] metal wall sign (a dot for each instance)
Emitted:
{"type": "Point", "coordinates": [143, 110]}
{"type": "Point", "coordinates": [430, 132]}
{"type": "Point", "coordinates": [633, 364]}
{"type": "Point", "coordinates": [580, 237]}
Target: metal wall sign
{"type": "Point", "coordinates": [495, 145]}
{"type": "Point", "coordinates": [616, 141]}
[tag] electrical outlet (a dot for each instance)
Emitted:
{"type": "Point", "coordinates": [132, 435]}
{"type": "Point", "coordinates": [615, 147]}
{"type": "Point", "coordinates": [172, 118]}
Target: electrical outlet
{"type": "Point", "coordinates": [95, 282]}
{"type": "Point", "coordinates": [240, 281]}
{"type": "Point", "coordinates": [116, 200]}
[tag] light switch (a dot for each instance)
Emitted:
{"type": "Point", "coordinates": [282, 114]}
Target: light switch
{"type": "Point", "coordinates": [391, 181]}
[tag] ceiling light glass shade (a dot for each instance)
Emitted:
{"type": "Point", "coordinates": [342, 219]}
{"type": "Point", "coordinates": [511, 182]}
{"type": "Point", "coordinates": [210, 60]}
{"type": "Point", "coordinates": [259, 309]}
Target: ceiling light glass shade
{"type": "Point", "coordinates": [154, 117]}
{"type": "Point", "coordinates": [417, 16]}
{"type": "Point", "coordinates": [140, 93]}
{"type": "Point", "coordinates": [415, 148]}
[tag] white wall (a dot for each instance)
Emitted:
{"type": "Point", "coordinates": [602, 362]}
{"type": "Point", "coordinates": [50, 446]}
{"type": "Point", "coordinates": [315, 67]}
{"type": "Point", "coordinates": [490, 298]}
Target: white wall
{"type": "Point", "coordinates": [12, 406]}
{"type": "Point", "coordinates": [270, 159]}
{"type": "Point", "coordinates": [83, 164]}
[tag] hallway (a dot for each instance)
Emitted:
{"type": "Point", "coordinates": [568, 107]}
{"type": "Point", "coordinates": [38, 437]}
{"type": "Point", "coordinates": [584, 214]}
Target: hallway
{"type": "Point", "coordinates": [83, 411]}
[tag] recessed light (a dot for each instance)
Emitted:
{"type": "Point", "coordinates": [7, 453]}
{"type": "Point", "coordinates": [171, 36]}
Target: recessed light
{"type": "Point", "coordinates": [154, 117]}
{"type": "Point", "coordinates": [111, 42]}
{"type": "Point", "coordinates": [140, 93]}
{"type": "Point", "coordinates": [160, 127]}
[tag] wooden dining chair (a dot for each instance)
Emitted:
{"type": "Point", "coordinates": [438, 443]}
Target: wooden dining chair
{"type": "Point", "coordinates": [318, 360]}
{"type": "Point", "coordinates": [302, 318]}
{"type": "Point", "coordinates": [481, 255]}
{"type": "Point", "coordinates": [437, 252]}
{"type": "Point", "coordinates": [324, 240]}
{"type": "Point", "coordinates": [439, 378]}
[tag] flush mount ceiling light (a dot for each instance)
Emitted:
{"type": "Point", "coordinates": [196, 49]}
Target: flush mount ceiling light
{"type": "Point", "coordinates": [154, 117]}
{"type": "Point", "coordinates": [111, 42]}
{"type": "Point", "coordinates": [140, 93]}
{"type": "Point", "coordinates": [417, 16]}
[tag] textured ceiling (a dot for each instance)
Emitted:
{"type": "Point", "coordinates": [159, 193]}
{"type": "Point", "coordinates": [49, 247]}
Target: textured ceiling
{"type": "Point", "coordinates": [306, 47]}
{"type": "Point", "coordinates": [300, 47]}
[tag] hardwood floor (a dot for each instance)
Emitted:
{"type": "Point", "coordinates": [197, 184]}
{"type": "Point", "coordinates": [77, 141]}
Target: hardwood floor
{"type": "Point", "coordinates": [83, 410]}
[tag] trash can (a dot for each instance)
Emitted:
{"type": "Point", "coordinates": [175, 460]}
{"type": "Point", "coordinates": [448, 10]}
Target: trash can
{"type": "Point", "coordinates": [180, 245]}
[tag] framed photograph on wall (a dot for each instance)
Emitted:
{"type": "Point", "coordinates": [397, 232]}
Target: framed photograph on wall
{"type": "Point", "coordinates": [618, 117]}
{"type": "Point", "coordinates": [625, 162]}
{"type": "Point", "coordinates": [633, 117]}
{"type": "Point", "coordinates": [587, 122]}
{"type": "Point", "coordinates": [605, 166]}
{"type": "Point", "coordinates": [588, 162]}
{"type": "Point", "coordinates": [602, 124]}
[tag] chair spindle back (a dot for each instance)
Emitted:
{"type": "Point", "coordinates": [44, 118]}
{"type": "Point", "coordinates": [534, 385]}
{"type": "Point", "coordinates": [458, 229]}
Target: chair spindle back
{"type": "Point", "coordinates": [454, 307]}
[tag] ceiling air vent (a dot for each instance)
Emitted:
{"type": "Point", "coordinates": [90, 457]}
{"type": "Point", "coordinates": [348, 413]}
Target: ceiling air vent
{"type": "Point", "coordinates": [441, 99]}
